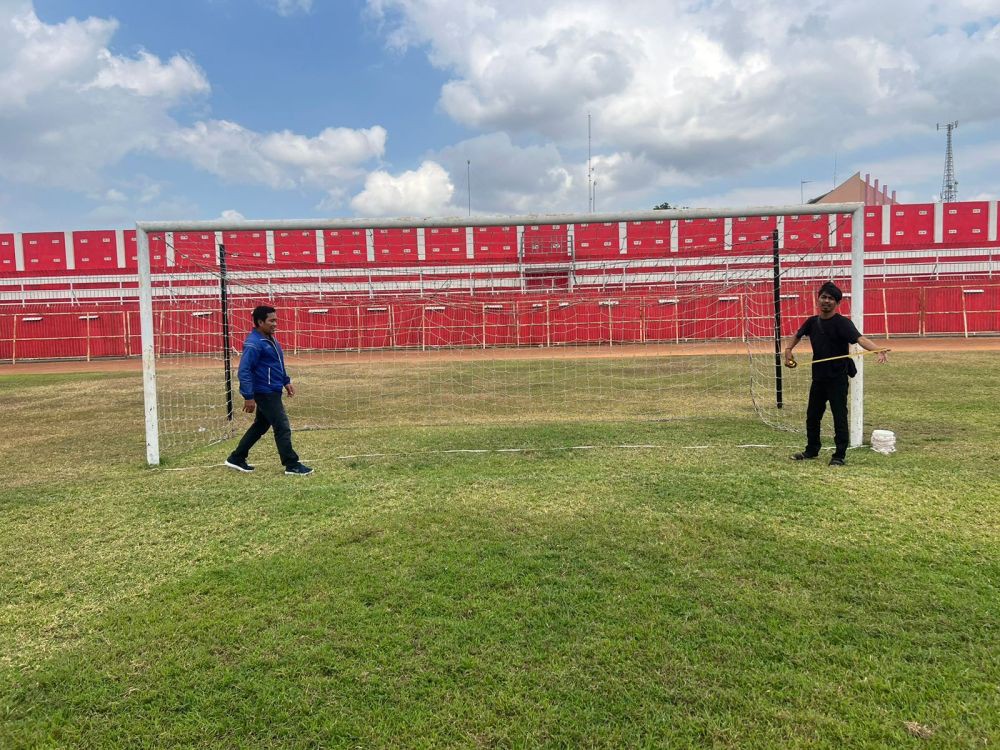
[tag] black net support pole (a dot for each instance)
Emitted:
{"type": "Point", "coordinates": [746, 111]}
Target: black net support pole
{"type": "Point", "coordinates": [227, 351]}
{"type": "Point", "coordinates": [777, 321]}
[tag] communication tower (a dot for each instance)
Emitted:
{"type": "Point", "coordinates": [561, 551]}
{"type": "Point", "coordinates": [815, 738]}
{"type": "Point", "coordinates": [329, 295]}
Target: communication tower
{"type": "Point", "coordinates": [949, 185]}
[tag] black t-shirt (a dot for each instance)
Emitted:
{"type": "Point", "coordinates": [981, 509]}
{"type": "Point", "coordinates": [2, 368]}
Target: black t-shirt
{"type": "Point", "coordinates": [830, 338]}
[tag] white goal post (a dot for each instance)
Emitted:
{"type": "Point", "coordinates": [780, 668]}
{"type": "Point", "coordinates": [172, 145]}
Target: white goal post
{"type": "Point", "coordinates": [172, 278]}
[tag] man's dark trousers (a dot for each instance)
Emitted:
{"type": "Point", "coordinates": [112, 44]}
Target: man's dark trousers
{"type": "Point", "coordinates": [270, 413]}
{"type": "Point", "coordinates": [835, 391]}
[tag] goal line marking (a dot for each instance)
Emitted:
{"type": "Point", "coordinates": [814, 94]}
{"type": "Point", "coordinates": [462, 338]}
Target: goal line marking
{"type": "Point", "coordinates": [485, 451]}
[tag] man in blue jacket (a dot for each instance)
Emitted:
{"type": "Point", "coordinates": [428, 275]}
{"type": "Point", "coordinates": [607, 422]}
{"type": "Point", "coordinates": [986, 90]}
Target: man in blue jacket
{"type": "Point", "coordinates": [262, 378]}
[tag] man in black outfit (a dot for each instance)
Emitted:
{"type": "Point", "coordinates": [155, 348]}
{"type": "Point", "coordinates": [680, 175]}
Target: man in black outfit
{"type": "Point", "coordinates": [830, 335]}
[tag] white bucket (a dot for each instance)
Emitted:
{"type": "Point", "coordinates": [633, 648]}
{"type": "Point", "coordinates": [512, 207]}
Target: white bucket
{"type": "Point", "coordinates": [884, 441]}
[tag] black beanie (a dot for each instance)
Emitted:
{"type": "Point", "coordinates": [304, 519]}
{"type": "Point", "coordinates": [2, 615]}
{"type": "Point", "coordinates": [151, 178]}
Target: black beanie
{"type": "Point", "coordinates": [832, 289]}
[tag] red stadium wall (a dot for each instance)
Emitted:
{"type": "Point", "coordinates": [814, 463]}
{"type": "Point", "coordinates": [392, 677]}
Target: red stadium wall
{"type": "Point", "coordinates": [58, 331]}
{"type": "Point", "coordinates": [932, 269]}
{"type": "Point", "coordinates": [893, 227]}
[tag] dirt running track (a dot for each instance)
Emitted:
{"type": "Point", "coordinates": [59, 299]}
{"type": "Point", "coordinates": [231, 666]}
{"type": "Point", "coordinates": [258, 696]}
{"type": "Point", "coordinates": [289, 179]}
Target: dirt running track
{"type": "Point", "coordinates": [956, 344]}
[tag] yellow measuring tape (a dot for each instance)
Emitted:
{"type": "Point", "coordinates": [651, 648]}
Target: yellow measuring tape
{"type": "Point", "coordinates": [792, 364]}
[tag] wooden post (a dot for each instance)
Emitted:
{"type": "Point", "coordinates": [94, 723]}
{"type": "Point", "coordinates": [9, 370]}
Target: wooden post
{"type": "Point", "coordinates": [392, 327]}
{"type": "Point", "coordinates": [965, 317]}
{"type": "Point", "coordinates": [548, 324]}
{"type": "Point", "coordinates": [744, 317]}
{"type": "Point", "coordinates": [922, 314]}
{"type": "Point", "coordinates": [517, 323]}
{"type": "Point", "coordinates": [885, 312]}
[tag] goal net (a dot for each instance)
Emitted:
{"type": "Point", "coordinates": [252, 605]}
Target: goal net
{"type": "Point", "coordinates": [661, 315]}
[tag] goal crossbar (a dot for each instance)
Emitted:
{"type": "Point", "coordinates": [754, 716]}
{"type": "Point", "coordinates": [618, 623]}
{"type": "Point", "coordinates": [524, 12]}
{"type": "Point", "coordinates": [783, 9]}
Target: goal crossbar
{"type": "Point", "coordinates": [226, 225]}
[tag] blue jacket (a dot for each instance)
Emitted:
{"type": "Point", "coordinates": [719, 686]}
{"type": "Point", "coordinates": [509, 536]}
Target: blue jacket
{"type": "Point", "coordinates": [262, 366]}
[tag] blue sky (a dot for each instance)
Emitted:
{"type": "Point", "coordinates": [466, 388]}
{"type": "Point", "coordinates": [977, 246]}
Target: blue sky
{"type": "Point", "coordinates": [113, 111]}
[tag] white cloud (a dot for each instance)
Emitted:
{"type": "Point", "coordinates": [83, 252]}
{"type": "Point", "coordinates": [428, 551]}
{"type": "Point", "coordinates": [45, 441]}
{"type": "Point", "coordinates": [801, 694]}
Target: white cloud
{"type": "Point", "coordinates": [147, 76]}
{"type": "Point", "coordinates": [232, 215]}
{"type": "Point", "coordinates": [125, 214]}
{"type": "Point", "coordinates": [138, 197]}
{"type": "Point", "coordinates": [426, 191]}
{"type": "Point", "coordinates": [149, 191]}
{"type": "Point", "coordinates": [506, 177]}
{"type": "Point", "coordinates": [761, 195]}
{"type": "Point", "coordinates": [36, 57]}
{"type": "Point", "coordinates": [69, 107]}
{"type": "Point", "coordinates": [278, 160]}
{"type": "Point", "coordinates": [291, 7]}
{"type": "Point", "coordinates": [683, 93]}
{"type": "Point", "coordinates": [706, 88]}
{"type": "Point", "coordinates": [510, 178]}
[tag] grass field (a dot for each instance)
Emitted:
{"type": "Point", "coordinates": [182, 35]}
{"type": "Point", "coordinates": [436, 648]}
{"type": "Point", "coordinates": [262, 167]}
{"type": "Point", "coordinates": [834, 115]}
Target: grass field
{"type": "Point", "coordinates": [673, 596]}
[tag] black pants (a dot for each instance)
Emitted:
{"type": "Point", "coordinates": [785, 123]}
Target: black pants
{"type": "Point", "coordinates": [270, 413]}
{"type": "Point", "coordinates": [822, 391]}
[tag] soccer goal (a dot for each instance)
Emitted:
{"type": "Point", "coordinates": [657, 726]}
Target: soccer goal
{"type": "Point", "coordinates": [653, 315]}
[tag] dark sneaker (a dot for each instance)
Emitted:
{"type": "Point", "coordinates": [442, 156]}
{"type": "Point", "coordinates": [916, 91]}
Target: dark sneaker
{"type": "Point", "coordinates": [803, 456]}
{"type": "Point", "coordinates": [836, 461]}
{"type": "Point", "coordinates": [298, 469]}
{"type": "Point", "coordinates": [238, 465]}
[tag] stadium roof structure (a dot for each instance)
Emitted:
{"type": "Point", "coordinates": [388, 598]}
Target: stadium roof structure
{"type": "Point", "coordinates": [854, 189]}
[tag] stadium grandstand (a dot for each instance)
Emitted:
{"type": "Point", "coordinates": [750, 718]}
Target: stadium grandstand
{"type": "Point", "coordinates": [930, 268]}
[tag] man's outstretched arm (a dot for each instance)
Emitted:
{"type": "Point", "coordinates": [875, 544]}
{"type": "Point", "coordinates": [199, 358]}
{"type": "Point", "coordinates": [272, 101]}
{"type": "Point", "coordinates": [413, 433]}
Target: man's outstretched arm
{"type": "Point", "coordinates": [866, 343]}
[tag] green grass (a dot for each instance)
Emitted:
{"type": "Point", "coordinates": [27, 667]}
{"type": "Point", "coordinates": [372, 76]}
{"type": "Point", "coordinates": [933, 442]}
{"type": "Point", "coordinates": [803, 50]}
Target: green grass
{"type": "Point", "coordinates": [405, 392]}
{"type": "Point", "coordinates": [661, 597]}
